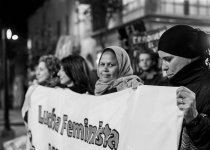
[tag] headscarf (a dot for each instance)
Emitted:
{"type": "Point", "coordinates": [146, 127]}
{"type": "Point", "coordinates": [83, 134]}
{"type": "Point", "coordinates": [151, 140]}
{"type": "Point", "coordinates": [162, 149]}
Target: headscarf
{"type": "Point", "coordinates": [184, 41]}
{"type": "Point", "coordinates": [125, 77]}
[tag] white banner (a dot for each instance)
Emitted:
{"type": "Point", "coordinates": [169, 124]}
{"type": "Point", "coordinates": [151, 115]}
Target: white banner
{"type": "Point", "coordinates": [142, 119]}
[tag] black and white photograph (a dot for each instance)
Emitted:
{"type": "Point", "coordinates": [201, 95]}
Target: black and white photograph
{"type": "Point", "coordinates": [105, 74]}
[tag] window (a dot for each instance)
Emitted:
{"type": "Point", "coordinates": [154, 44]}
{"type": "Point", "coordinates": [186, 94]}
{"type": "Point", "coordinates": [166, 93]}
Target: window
{"type": "Point", "coordinates": [186, 7]}
{"type": "Point", "coordinates": [173, 6]}
{"type": "Point", "coordinates": [130, 5]}
{"type": "Point", "coordinates": [179, 9]}
{"type": "Point", "coordinates": [193, 10]}
{"type": "Point", "coordinates": [199, 7]}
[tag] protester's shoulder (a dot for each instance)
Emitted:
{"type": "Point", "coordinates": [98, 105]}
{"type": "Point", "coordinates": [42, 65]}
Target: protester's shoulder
{"type": "Point", "coordinates": [31, 88]}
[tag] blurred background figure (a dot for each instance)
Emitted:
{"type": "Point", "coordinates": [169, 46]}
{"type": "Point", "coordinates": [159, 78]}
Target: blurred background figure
{"type": "Point", "coordinates": [75, 75]}
{"type": "Point", "coordinates": [149, 71]}
{"type": "Point", "coordinates": [47, 69]}
{"type": "Point", "coordinates": [46, 75]}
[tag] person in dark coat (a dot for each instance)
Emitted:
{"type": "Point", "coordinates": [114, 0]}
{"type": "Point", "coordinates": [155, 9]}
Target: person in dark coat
{"type": "Point", "coordinates": [185, 58]}
{"type": "Point", "coordinates": [75, 75]}
{"type": "Point", "coordinates": [115, 72]}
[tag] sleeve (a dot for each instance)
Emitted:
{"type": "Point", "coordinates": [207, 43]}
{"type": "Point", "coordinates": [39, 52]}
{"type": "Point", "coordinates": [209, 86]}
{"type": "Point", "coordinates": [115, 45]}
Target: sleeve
{"type": "Point", "coordinates": [199, 128]}
{"type": "Point", "coordinates": [26, 103]}
{"type": "Point", "coordinates": [200, 133]}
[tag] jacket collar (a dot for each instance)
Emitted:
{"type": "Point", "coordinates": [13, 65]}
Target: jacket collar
{"type": "Point", "coordinates": [189, 73]}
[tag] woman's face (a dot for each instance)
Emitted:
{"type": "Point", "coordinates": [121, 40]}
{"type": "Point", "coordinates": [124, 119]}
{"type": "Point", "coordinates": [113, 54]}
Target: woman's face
{"type": "Point", "coordinates": [108, 68]}
{"type": "Point", "coordinates": [64, 79]}
{"type": "Point", "coordinates": [172, 64]}
{"type": "Point", "coordinates": [42, 73]}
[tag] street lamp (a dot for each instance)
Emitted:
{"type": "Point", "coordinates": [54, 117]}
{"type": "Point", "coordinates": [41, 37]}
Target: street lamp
{"type": "Point", "coordinates": [15, 37]}
{"type": "Point", "coordinates": [9, 34]}
{"type": "Point", "coordinates": [7, 131]}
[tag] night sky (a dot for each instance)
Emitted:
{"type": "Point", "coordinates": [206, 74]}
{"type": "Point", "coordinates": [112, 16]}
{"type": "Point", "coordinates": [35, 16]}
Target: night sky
{"type": "Point", "coordinates": [14, 13]}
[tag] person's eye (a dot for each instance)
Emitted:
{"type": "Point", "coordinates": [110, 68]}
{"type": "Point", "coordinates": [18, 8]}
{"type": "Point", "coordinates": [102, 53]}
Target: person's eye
{"type": "Point", "coordinates": [101, 64]}
{"type": "Point", "coordinates": [168, 59]}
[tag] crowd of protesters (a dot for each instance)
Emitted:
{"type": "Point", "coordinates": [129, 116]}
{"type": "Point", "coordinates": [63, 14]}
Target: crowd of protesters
{"type": "Point", "coordinates": [184, 52]}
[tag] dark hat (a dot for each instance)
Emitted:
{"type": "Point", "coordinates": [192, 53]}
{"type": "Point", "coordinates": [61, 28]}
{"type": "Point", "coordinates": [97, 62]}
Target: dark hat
{"type": "Point", "coordinates": [183, 41]}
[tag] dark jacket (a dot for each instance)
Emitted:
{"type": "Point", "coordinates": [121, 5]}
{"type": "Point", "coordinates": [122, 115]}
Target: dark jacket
{"type": "Point", "coordinates": [157, 79]}
{"type": "Point", "coordinates": [81, 89]}
{"type": "Point", "coordinates": [196, 77]}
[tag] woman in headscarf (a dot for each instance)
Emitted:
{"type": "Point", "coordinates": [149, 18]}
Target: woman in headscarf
{"type": "Point", "coordinates": [185, 54]}
{"type": "Point", "coordinates": [115, 72]}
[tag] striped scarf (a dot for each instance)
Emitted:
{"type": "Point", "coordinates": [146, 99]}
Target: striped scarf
{"type": "Point", "coordinates": [187, 143]}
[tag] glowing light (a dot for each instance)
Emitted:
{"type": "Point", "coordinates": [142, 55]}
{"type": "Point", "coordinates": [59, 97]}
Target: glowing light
{"type": "Point", "coordinates": [15, 37]}
{"type": "Point", "coordinates": [9, 33]}
{"type": "Point", "coordinates": [29, 44]}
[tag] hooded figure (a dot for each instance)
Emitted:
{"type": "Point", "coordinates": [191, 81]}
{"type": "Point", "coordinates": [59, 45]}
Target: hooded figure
{"type": "Point", "coordinates": [114, 71]}
{"type": "Point", "coordinates": [185, 57]}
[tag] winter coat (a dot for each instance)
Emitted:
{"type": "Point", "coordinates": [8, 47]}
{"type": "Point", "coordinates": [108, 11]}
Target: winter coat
{"type": "Point", "coordinates": [196, 77]}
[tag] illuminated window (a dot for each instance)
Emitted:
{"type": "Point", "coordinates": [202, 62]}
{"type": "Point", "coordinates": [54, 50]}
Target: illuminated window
{"type": "Point", "coordinates": [202, 11]}
{"type": "Point", "coordinates": [193, 2]}
{"type": "Point", "coordinates": [179, 9]}
{"type": "Point", "coordinates": [203, 2]}
{"type": "Point", "coordinates": [130, 5]}
{"type": "Point", "coordinates": [186, 7]}
{"type": "Point", "coordinates": [173, 6]}
{"type": "Point", "coordinates": [193, 10]}
{"type": "Point", "coordinates": [208, 12]}
{"type": "Point", "coordinates": [199, 7]}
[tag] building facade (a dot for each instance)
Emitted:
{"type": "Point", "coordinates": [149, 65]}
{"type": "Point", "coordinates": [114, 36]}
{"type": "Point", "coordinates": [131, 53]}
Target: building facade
{"type": "Point", "coordinates": [88, 29]}
{"type": "Point", "coordinates": [55, 23]}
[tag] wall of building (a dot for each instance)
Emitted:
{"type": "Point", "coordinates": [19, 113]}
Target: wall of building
{"type": "Point", "coordinates": [58, 18]}
{"type": "Point", "coordinates": [50, 22]}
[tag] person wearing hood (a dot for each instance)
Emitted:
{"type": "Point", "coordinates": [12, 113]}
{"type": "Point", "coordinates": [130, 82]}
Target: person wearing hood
{"type": "Point", "coordinates": [184, 51]}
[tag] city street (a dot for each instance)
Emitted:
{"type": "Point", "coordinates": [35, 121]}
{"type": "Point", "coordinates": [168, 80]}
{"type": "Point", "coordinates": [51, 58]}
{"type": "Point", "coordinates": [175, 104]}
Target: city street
{"type": "Point", "coordinates": [17, 125]}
